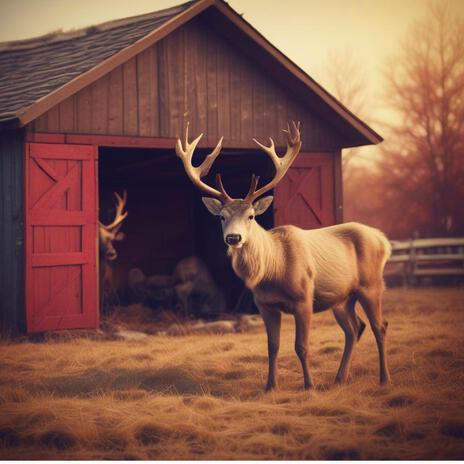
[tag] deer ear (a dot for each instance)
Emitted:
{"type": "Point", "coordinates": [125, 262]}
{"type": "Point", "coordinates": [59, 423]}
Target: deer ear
{"type": "Point", "coordinates": [262, 204]}
{"type": "Point", "coordinates": [214, 206]}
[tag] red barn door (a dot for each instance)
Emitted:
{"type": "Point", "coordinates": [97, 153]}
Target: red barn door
{"type": "Point", "coordinates": [61, 237]}
{"type": "Point", "coordinates": [305, 196]}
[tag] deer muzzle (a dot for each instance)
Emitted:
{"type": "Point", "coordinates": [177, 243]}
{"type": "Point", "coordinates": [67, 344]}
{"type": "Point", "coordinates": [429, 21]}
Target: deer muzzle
{"type": "Point", "coordinates": [233, 239]}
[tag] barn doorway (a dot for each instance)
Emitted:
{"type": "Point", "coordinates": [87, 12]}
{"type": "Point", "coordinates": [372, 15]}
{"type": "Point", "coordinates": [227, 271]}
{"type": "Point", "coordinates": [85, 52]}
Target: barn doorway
{"type": "Point", "coordinates": [167, 220]}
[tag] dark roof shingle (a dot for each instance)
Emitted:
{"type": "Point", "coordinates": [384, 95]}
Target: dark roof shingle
{"type": "Point", "coordinates": [31, 69]}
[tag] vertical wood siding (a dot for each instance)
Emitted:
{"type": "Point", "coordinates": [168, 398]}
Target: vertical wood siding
{"type": "Point", "coordinates": [193, 74]}
{"type": "Point", "coordinates": [12, 316]}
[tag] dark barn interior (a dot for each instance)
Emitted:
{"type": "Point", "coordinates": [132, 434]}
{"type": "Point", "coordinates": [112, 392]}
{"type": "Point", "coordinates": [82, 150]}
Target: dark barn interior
{"type": "Point", "coordinates": [167, 220]}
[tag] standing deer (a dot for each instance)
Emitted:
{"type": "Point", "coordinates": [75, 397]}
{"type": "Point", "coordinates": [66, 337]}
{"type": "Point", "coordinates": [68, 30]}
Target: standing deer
{"type": "Point", "coordinates": [108, 234]}
{"type": "Point", "coordinates": [298, 271]}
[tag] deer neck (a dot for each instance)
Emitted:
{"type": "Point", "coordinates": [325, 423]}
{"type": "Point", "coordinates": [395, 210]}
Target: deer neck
{"type": "Point", "coordinates": [253, 261]}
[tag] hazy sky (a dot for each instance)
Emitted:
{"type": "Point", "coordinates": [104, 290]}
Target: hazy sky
{"type": "Point", "coordinates": [305, 30]}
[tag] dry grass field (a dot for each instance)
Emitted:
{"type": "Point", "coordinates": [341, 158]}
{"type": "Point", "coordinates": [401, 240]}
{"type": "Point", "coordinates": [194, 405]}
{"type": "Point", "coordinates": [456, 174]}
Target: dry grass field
{"type": "Point", "coordinates": [201, 396]}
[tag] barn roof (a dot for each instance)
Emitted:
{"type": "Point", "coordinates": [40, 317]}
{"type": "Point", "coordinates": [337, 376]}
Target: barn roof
{"type": "Point", "coordinates": [32, 69]}
{"type": "Point", "coordinates": [37, 74]}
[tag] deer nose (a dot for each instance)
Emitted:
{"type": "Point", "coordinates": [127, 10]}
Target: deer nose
{"type": "Point", "coordinates": [111, 255]}
{"type": "Point", "coordinates": [233, 239]}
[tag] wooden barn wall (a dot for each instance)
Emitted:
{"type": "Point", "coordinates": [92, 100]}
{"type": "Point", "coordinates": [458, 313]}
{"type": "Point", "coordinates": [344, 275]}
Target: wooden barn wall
{"type": "Point", "coordinates": [193, 74]}
{"type": "Point", "coordinates": [12, 315]}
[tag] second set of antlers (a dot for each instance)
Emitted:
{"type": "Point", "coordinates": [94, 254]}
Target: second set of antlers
{"type": "Point", "coordinates": [185, 150]}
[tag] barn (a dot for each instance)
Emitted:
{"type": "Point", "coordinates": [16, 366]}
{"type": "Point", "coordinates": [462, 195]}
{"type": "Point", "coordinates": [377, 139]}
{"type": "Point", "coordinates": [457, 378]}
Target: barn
{"type": "Point", "coordinates": [98, 110]}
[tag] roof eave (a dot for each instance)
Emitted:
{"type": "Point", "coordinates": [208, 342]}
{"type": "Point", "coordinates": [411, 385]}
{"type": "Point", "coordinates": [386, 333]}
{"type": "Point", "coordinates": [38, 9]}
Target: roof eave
{"type": "Point", "coordinates": [9, 122]}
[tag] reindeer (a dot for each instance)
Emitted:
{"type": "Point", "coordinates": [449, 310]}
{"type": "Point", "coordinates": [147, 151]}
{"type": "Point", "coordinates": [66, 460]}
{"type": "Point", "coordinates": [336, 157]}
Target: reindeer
{"type": "Point", "coordinates": [298, 271]}
{"type": "Point", "coordinates": [108, 234]}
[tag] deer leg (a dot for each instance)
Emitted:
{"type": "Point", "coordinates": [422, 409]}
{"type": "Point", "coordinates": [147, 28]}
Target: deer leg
{"type": "Point", "coordinates": [351, 325]}
{"type": "Point", "coordinates": [302, 323]}
{"type": "Point", "coordinates": [272, 322]}
{"type": "Point", "coordinates": [371, 304]}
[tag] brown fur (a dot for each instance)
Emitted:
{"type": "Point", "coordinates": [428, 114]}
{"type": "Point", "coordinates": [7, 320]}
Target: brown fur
{"type": "Point", "coordinates": [303, 271]}
{"type": "Point", "coordinates": [107, 249]}
{"type": "Point", "coordinates": [108, 234]}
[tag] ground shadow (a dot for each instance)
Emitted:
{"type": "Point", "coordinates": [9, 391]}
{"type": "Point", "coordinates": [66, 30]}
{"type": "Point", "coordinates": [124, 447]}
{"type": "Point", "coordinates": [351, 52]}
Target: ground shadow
{"type": "Point", "coordinates": [94, 381]}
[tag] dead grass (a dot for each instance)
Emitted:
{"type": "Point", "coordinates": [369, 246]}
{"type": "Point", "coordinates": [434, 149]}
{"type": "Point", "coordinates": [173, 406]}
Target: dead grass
{"type": "Point", "coordinates": [201, 397]}
{"type": "Point", "coordinates": [140, 318]}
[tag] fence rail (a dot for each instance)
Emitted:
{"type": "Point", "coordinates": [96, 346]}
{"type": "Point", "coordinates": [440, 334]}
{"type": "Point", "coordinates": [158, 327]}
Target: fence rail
{"type": "Point", "coordinates": [432, 257]}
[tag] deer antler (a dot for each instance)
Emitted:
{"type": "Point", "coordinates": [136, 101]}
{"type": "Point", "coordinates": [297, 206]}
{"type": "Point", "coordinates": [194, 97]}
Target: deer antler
{"type": "Point", "coordinates": [251, 191]}
{"type": "Point", "coordinates": [119, 215]}
{"type": "Point", "coordinates": [281, 164]}
{"type": "Point", "coordinates": [185, 153]}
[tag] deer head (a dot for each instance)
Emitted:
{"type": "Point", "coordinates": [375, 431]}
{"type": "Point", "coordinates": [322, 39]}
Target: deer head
{"type": "Point", "coordinates": [110, 233]}
{"type": "Point", "coordinates": [237, 215]}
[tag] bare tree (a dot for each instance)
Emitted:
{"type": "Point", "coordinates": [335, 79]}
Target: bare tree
{"type": "Point", "coordinates": [348, 83]}
{"type": "Point", "coordinates": [423, 163]}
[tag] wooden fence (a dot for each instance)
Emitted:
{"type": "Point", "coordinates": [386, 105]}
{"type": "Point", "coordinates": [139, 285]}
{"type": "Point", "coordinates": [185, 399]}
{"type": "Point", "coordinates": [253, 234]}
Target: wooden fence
{"type": "Point", "coordinates": [432, 259]}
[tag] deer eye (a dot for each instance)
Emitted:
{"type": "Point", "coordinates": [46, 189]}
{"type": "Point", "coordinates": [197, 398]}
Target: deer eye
{"type": "Point", "coordinates": [223, 218]}
{"type": "Point", "coordinates": [251, 217]}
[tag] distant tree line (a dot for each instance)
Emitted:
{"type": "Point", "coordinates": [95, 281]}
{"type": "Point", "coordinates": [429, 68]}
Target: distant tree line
{"type": "Point", "coordinates": [416, 186]}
